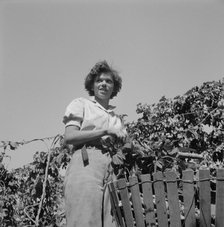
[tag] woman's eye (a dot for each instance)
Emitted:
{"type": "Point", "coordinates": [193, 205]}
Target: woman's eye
{"type": "Point", "coordinates": [102, 80]}
{"type": "Point", "coordinates": [109, 81]}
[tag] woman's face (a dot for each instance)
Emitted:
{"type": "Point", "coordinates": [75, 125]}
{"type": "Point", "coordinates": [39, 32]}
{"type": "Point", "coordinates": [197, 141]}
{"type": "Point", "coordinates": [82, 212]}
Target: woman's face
{"type": "Point", "coordinates": [103, 86]}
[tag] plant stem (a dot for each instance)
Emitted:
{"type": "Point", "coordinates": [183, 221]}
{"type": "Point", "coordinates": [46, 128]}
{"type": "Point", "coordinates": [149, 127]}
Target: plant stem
{"type": "Point", "coordinates": [44, 187]}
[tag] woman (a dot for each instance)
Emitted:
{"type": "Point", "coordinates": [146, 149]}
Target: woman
{"type": "Point", "coordinates": [87, 123]}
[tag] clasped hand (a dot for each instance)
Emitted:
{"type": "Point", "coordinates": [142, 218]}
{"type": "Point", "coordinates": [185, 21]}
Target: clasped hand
{"type": "Point", "coordinates": [119, 133]}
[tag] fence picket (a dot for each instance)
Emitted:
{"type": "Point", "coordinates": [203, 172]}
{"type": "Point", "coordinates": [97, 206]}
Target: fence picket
{"type": "Point", "coordinates": [219, 198]}
{"type": "Point", "coordinates": [122, 187]}
{"type": "Point", "coordinates": [115, 205]}
{"type": "Point", "coordinates": [148, 199]}
{"type": "Point", "coordinates": [136, 200]}
{"type": "Point", "coordinates": [160, 199]}
{"type": "Point", "coordinates": [173, 200]}
{"type": "Point", "coordinates": [204, 198]}
{"type": "Point", "coordinates": [189, 199]}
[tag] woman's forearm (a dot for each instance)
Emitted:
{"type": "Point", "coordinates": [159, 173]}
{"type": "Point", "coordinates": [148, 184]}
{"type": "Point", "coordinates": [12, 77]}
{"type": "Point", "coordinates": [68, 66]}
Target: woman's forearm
{"type": "Point", "coordinates": [76, 137]}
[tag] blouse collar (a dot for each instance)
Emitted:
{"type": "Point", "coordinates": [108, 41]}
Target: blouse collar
{"type": "Point", "coordinates": [110, 107]}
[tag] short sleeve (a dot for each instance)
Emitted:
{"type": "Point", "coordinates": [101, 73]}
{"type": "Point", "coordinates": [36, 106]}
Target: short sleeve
{"type": "Point", "coordinates": [74, 113]}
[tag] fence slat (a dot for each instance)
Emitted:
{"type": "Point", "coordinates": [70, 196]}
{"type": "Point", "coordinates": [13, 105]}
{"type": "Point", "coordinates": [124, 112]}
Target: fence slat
{"type": "Point", "coordinates": [160, 199]}
{"type": "Point", "coordinates": [115, 204]}
{"type": "Point", "coordinates": [219, 198]}
{"type": "Point", "coordinates": [204, 198]}
{"type": "Point", "coordinates": [173, 199]}
{"type": "Point", "coordinates": [122, 187]}
{"type": "Point", "coordinates": [148, 199]}
{"type": "Point", "coordinates": [136, 200]}
{"type": "Point", "coordinates": [189, 199]}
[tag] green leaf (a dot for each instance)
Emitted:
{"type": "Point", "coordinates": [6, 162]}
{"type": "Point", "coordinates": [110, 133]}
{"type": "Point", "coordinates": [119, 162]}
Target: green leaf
{"type": "Point", "coordinates": [174, 151]}
{"type": "Point", "coordinates": [118, 158]}
{"type": "Point", "coordinates": [13, 145]}
{"type": "Point", "coordinates": [159, 164]}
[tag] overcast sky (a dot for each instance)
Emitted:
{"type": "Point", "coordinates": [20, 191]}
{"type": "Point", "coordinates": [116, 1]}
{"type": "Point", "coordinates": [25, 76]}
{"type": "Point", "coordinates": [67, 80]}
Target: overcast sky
{"type": "Point", "coordinates": [160, 47]}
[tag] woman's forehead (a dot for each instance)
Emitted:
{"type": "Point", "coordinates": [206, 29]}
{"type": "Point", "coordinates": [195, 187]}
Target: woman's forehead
{"type": "Point", "coordinates": [105, 76]}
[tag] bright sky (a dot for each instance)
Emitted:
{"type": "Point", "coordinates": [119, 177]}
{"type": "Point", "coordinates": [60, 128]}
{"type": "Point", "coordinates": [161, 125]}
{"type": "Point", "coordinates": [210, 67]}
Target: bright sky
{"type": "Point", "coordinates": [160, 47]}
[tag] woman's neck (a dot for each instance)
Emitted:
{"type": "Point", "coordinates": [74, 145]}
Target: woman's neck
{"type": "Point", "coordinates": [103, 102]}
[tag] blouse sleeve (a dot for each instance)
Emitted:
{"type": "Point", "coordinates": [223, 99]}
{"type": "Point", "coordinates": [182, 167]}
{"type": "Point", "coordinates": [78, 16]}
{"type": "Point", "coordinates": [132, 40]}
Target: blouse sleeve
{"type": "Point", "coordinates": [74, 113]}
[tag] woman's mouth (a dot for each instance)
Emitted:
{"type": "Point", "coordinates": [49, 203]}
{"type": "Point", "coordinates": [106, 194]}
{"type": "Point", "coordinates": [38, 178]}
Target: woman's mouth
{"type": "Point", "coordinates": [103, 90]}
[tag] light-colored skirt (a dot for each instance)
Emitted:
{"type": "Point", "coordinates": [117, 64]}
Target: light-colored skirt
{"type": "Point", "coordinates": [87, 202]}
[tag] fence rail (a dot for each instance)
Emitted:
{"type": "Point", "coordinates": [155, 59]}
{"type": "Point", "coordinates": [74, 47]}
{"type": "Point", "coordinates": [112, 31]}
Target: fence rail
{"type": "Point", "coordinates": [162, 199]}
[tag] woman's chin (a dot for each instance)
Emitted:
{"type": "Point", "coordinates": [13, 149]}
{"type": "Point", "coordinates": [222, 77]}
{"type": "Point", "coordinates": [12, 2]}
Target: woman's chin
{"type": "Point", "coordinates": [103, 96]}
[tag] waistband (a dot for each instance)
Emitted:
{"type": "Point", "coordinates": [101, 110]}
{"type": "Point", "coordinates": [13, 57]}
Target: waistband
{"type": "Point", "coordinates": [94, 143]}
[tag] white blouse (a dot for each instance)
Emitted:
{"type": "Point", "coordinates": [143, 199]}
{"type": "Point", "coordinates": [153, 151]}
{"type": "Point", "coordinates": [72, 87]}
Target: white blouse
{"type": "Point", "coordinates": [88, 114]}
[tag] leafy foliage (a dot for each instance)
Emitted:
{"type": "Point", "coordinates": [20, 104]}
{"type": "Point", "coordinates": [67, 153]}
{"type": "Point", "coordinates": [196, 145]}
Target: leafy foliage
{"type": "Point", "coordinates": [184, 132]}
{"type": "Point", "coordinates": [171, 130]}
{"type": "Point", "coordinates": [33, 195]}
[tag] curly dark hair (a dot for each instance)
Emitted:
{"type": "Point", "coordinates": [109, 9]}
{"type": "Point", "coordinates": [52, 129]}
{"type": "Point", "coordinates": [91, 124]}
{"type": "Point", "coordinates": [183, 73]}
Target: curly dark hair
{"type": "Point", "coordinates": [97, 70]}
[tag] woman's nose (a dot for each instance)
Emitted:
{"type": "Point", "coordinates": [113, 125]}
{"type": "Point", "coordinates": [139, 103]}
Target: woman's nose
{"type": "Point", "coordinates": [104, 82]}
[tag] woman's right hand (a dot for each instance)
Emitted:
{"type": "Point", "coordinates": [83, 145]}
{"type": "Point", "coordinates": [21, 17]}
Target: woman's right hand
{"type": "Point", "coordinates": [119, 133]}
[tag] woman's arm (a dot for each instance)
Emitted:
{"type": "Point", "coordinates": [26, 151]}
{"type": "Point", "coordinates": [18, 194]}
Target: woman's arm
{"type": "Point", "coordinates": [74, 136]}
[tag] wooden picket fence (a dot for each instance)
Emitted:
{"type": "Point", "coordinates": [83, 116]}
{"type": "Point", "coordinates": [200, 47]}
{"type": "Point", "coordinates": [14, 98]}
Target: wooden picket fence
{"type": "Point", "coordinates": [163, 200]}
